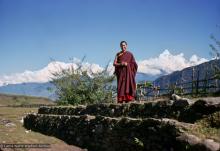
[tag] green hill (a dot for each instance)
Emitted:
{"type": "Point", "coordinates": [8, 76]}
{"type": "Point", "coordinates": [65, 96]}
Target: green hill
{"type": "Point", "coordinates": [17, 100]}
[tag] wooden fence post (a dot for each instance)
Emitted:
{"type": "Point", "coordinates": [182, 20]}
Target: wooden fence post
{"type": "Point", "coordinates": [192, 80]}
{"type": "Point", "coordinates": [197, 83]}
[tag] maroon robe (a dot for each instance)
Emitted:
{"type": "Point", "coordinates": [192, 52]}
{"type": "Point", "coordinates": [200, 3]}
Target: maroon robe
{"type": "Point", "coordinates": [126, 85]}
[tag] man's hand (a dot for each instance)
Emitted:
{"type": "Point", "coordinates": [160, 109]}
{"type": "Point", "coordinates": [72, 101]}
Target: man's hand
{"type": "Point", "coordinates": [124, 63]}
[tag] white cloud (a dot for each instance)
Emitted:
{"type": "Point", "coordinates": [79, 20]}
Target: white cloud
{"type": "Point", "coordinates": [164, 63]}
{"type": "Point", "coordinates": [196, 60]}
{"type": "Point", "coordinates": [45, 74]}
{"type": "Point", "coordinates": [167, 63]}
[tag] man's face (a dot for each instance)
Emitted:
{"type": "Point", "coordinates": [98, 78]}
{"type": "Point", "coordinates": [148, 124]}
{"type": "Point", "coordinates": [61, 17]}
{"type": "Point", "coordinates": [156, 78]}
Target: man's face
{"type": "Point", "coordinates": [123, 46]}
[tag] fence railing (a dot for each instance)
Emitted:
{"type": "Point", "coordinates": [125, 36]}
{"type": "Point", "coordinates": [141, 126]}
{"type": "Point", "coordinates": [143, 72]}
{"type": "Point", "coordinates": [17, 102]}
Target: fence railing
{"type": "Point", "coordinates": [197, 87]}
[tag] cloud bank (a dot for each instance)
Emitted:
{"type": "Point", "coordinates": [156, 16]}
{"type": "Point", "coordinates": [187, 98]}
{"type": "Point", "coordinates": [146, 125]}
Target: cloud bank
{"type": "Point", "coordinates": [165, 63]}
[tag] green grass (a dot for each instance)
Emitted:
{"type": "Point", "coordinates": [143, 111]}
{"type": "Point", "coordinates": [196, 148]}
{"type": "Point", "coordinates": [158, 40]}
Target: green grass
{"type": "Point", "coordinates": [17, 134]}
{"type": "Point", "coordinates": [208, 127]}
{"type": "Point", "coordinates": [6, 99]}
{"type": "Point", "coordinates": [206, 132]}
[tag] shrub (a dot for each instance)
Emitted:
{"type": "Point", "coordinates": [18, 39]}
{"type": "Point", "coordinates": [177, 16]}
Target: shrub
{"type": "Point", "coordinates": [77, 86]}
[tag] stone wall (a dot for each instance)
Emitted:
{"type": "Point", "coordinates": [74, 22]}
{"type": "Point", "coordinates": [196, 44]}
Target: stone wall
{"type": "Point", "coordinates": [103, 133]}
{"type": "Point", "coordinates": [181, 110]}
{"type": "Point", "coordinates": [150, 126]}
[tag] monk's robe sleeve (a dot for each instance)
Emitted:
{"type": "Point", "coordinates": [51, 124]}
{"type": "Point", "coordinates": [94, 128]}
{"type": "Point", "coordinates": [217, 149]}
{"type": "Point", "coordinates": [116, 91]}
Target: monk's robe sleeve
{"type": "Point", "coordinates": [133, 66]}
{"type": "Point", "coordinates": [131, 73]}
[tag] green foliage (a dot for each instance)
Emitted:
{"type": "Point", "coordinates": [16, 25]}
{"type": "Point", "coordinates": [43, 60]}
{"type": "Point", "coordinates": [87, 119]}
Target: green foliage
{"type": "Point", "coordinates": [178, 90]}
{"type": "Point", "coordinates": [205, 131]}
{"type": "Point", "coordinates": [207, 127]}
{"type": "Point", "coordinates": [141, 88]}
{"type": "Point", "coordinates": [49, 89]}
{"type": "Point", "coordinates": [172, 88]}
{"type": "Point", "coordinates": [78, 86]}
{"type": "Point", "coordinates": [138, 142]}
{"type": "Point", "coordinates": [146, 84]}
{"type": "Point", "coordinates": [212, 120]}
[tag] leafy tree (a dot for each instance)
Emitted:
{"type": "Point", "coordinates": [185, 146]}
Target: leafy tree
{"type": "Point", "coordinates": [80, 86]}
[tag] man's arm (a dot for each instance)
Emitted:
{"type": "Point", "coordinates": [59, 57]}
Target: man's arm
{"type": "Point", "coordinates": [119, 64]}
{"type": "Point", "coordinates": [116, 62]}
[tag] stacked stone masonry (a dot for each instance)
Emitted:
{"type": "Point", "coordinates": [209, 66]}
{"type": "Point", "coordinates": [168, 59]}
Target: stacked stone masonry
{"type": "Point", "coordinates": [149, 126]}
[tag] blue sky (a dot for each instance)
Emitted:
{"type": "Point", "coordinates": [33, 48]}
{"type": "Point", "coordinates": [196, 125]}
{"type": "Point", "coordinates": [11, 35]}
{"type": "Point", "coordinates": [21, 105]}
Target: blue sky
{"type": "Point", "coordinates": [33, 31]}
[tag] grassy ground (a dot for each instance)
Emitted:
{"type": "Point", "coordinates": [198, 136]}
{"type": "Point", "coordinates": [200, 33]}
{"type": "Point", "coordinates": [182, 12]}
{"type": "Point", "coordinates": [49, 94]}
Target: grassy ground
{"type": "Point", "coordinates": [208, 127]}
{"type": "Point", "coordinates": [205, 132]}
{"type": "Point", "coordinates": [12, 130]}
{"type": "Point", "coordinates": [15, 133]}
{"type": "Point", "coordinates": [22, 100]}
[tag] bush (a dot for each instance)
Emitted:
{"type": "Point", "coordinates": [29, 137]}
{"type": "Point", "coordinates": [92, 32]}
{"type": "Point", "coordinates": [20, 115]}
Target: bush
{"type": "Point", "coordinates": [78, 86]}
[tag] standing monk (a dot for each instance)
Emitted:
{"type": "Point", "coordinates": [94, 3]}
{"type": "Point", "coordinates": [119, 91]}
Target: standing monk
{"type": "Point", "coordinates": [125, 71]}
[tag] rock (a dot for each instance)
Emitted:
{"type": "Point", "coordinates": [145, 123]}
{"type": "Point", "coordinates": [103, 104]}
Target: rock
{"type": "Point", "coordinates": [211, 101]}
{"type": "Point", "coordinates": [22, 120]}
{"type": "Point", "coordinates": [27, 131]}
{"type": "Point", "coordinates": [180, 103]}
{"type": "Point", "coordinates": [4, 121]}
{"type": "Point", "coordinates": [175, 97]}
{"type": "Point", "coordinates": [170, 102]}
{"type": "Point", "coordinates": [213, 146]}
{"type": "Point", "coordinates": [206, 106]}
{"type": "Point", "coordinates": [188, 138]}
{"type": "Point", "coordinates": [10, 124]}
{"type": "Point", "coordinates": [197, 143]}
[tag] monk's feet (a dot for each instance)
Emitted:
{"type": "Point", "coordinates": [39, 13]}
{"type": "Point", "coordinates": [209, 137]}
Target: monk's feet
{"type": "Point", "coordinates": [122, 101]}
{"type": "Point", "coordinates": [125, 101]}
